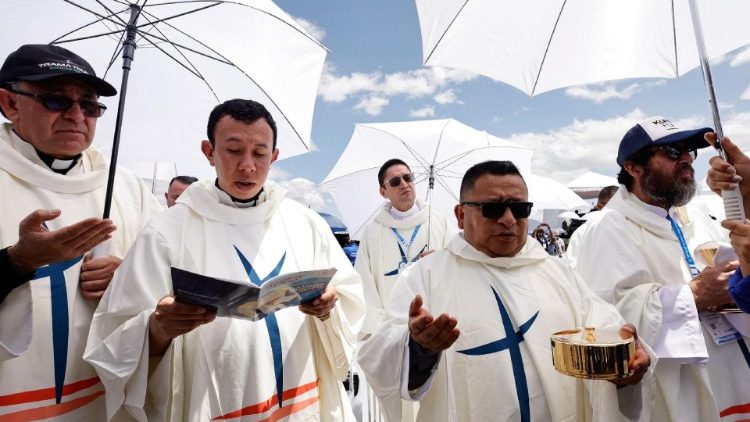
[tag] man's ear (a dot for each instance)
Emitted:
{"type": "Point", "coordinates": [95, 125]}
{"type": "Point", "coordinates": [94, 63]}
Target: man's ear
{"type": "Point", "coordinates": [208, 151]}
{"type": "Point", "coordinates": [275, 155]}
{"type": "Point", "coordinates": [459, 211]}
{"type": "Point", "coordinates": [632, 169]}
{"type": "Point", "coordinates": [8, 104]}
{"type": "Point", "coordinates": [382, 191]}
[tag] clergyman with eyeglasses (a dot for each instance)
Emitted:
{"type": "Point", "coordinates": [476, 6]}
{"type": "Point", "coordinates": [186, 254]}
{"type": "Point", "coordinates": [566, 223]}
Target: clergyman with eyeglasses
{"type": "Point", "coordinates": [52, 189]}
{"type": "Point", "coordinates": [467, 329]}
{"type": "Point", "coordinates": [639, 254]}
{"type": "Point", "coordinates": [404, 230]}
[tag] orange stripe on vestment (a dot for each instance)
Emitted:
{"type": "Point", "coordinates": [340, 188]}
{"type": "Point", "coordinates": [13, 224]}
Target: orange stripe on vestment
{"type": "Point", "coordinates": [264, 406]}
{"type": "Point", "coordinates": [50, 411]}
{"type": "Point", "coordinates": [46, 393]}
{"type": "Point", "coordinates": [288, 410]}
{"type": "Point", "coordinates": [740, 408]}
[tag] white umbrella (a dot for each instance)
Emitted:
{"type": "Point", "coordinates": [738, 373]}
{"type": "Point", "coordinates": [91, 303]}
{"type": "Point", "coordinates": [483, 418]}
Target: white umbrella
{"type": "Point", "coordinates": [540, 46]}
{"type": "Point", "coordinates": [191, 55]}
{"type": "Point", "coordinates": [569, 214]}
{"type": "Point", "coordinates": [548, 193]}
{"type": "Point", "coordinates": [444, 149]}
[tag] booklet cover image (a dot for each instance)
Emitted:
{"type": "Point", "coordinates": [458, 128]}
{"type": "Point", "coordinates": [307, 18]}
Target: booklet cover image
{"type": "Point", "coordinates": [240, 299]}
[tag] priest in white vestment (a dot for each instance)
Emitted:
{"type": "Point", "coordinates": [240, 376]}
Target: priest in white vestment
{"type": "Point", "coordinates": [403, 230]}
{"type": "Point", "coordinates": [638, 253]}
{"type": "Point", "coordinates": [165, 360]}
{"type": "Point", "coordinates": [467, 329]}
{"type": "Point", "coordinates": [52, 189]}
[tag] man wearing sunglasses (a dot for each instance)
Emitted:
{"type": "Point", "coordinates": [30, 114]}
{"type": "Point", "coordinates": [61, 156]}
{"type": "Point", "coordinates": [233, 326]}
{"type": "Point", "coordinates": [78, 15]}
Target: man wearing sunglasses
{"type": "Point", "coordinates": [403, 230]}
{"type": "Point", "coordinates": [466, 332]}
{"type": "Point", "coordinates": [639, 254]}
{"type": "Point", "coordinates": [53, 187]}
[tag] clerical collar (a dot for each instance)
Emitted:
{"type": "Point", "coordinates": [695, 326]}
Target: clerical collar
{"type": "Point", "coordinates": [403, 215]}
{"type": "Point", "coordinates": [58, 165]}
{"type": "Point", "coordinates": [228, 199]}
{"type": "Point", "coordinates": [661, 212]}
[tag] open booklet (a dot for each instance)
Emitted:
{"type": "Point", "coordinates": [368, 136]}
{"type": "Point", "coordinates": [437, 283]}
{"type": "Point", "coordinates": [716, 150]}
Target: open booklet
{"type": "Point", "coordinates": [244, 300]}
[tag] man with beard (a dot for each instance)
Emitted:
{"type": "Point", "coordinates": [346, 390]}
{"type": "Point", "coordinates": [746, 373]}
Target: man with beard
{"type": "Point", "coordinates": [637, 253]}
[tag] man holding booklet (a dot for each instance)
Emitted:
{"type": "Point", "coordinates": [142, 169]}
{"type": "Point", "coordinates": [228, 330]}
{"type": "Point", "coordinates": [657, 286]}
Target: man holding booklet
{"type": "Point", "coordinates": [162, 359]}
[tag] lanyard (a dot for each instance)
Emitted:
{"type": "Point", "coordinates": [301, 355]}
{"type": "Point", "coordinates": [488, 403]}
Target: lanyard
{"type": "Point", "coordinates": [685, 251]}
{"type": "Point", "coordinates": [404, 245]}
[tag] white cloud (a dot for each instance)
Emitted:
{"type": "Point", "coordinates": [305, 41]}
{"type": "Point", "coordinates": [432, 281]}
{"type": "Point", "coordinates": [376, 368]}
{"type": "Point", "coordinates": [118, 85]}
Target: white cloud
{"type": "Point", "coordinates": [746, 95]}
{"type": "Point", "coordinates": [373, 105]}
{"type": "Point", "coordinates": [419, 83]}
{"type": "Point", "coordinates": [446, 97]}
{"type": "Point", "coordinates": [314, 30]}
{"type": "Point", "coordinates": [300, 189]}
{"type": "Point", "coordinates": [741, 58]}
{"type": "Point", "coordinates": [427, 111]}
{"type": "Point", "coordinates": [725, 106]}
{"type": "Point", "coordinates": [599, 92]}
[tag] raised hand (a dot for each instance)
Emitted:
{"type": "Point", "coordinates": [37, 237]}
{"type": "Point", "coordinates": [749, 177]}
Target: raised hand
{"type": "Point", "coordinates": [725, 176]}
{"type": "Point", "coordinates": [434, 334]}
{"type": "Point", "coordinates": [38, 246]}
{"type": "Point", "coordinates": [711, 287]}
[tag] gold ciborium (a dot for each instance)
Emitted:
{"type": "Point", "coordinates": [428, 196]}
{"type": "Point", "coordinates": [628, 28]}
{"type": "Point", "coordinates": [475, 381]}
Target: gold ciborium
{"type": "Point", "coordinates": [593, 354]}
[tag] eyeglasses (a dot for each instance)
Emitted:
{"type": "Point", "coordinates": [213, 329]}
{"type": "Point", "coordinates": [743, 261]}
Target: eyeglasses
{"type": "Point", "coordinates": [59, 103]}
{"type": "Point", "coordinates": [674, 153]}
{"type": "Point", "coordinates": [394, 182]}
{"type": "Point", "coordinates": [495, 210]}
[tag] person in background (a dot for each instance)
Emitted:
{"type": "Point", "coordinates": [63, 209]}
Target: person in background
{"type": "Point", "coordinates": [177, 185]}
{"type": "Point", "coordinates": [53, 187]}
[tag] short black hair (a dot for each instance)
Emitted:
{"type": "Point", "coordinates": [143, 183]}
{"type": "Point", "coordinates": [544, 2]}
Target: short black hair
{"type": "Point", "coordinates": [639, 158]}
{"type": "Point", "coordinates": [185, 180]}
{"type": "Point", "coordinates": [388, 164]}
{"type": "Point", "coordinates": [246, 111]}
{"type": "Point", "coordinates": [606, 193]}
{"type": "Point", "coordinates": [492, 167]}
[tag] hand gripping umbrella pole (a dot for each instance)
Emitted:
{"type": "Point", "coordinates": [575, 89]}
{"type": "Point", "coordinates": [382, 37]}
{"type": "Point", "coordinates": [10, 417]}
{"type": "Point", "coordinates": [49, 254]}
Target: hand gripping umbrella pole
{"type": "Point", "coordinates": [733, 203]}
{"type": "Point", "coordinates": [128, 53]}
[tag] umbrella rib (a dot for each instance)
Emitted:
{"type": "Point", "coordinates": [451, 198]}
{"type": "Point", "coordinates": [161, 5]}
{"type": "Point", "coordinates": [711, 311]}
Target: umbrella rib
{"type": "Point", "coordinates": [177, 15]}
{"type": "Point", "coordinates": [447, 28]}
{"type": "Point", "coordinates": [77, 29]}
{"type": "Point", "coordinates": [195, 73]}
{"type": "Point", "coordinates": [440, 140]}
{"type": "Point", "coordinates": [420, 160]}
{"type": "Point", "coordinates": [546, 50]}
{"type": "Point", "coordinates": [111, 12]}
{"type": "Point", "coordinates": [192, 50]}
{"type": "Point", "coordinates": [445, 186]}
{"type": "Point", "coordinates": [195, 68]}
{"type": "Point", "coordinates": [244, 5]}
{"type": "Point", "coordinates": [115, 54]}
{"type": "Point", "coordinates": [101, 17]}
{"type": "Point", "coordinates": [674, 38]}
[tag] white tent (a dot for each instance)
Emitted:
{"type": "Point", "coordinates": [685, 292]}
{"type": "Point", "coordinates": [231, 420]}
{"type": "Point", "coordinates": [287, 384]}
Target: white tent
{"type": "Point", "coordinates": [551, 198]}
{"type": "Point", "coordinates": [591, 181]}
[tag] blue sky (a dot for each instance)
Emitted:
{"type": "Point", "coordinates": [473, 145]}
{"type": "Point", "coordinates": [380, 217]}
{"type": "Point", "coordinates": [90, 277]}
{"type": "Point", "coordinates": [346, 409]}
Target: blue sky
{"type": "Point", "coordinates": [374, 74]}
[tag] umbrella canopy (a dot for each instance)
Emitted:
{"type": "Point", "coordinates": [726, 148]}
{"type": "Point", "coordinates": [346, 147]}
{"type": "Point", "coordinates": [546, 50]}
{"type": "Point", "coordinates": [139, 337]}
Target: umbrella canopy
{"type": "Point", "coordinates": [591, 181]}
{"type": "Point", "coordinates": [550, 194]}
{"type": "Point", "coordinates": [190, 56]}
{"type": "Point", "coordinates": [446, 147]}
{"type": "Point", "coordinates": [541, 46]}
{"type": "Point", "coordinates": [336, 225]}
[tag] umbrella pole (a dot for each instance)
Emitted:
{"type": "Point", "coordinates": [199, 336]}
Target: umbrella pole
{"type": "Point", "coordinates": [430, 191]}
{"type": "Point", "coordinates": [707, 79]}
{"type": "Point", "coordinates": [128, 52]}
{"type": "Point", "coordinates": [733, 202]}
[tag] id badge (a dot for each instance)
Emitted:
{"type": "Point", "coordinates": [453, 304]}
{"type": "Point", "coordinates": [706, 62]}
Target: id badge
{"type": "Point", "coordinates": [717, 325]}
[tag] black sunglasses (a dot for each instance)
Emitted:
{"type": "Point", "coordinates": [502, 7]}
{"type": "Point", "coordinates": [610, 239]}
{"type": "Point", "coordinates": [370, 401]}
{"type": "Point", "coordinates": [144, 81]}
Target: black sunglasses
{"type": "Point", "coordinates": [495, 210]}
{"type": "Point", "coordinates": [395, 181]}
{"type": "Point", "coordinates": [59, 103]}
{"type": "Point", "coordinates": [675, 152]}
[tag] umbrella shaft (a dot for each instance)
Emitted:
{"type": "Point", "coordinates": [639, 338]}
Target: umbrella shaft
{"type": "Point", "coordinates": [128, 53]}
{"type": "Point", "coordinates": [707, 79]}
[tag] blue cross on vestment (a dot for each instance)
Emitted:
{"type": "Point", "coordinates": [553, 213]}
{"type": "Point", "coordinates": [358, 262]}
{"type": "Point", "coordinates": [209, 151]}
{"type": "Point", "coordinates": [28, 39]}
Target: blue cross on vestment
{"type": "Point", "coordinates": [511, 342]}
{"type": "Point", "coordinates": [60, 318]}
{"type": "Point", "coordinates": [272, 325]}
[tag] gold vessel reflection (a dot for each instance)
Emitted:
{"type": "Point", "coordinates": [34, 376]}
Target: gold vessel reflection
{"type": "Point", "coordinates": [593, 354]}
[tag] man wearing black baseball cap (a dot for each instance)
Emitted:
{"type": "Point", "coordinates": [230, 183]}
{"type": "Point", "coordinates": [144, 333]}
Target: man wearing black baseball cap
{"type": "Point", "coordinates": [53, 187]}
{"type": "Point", "coordinates": [638, 253]}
